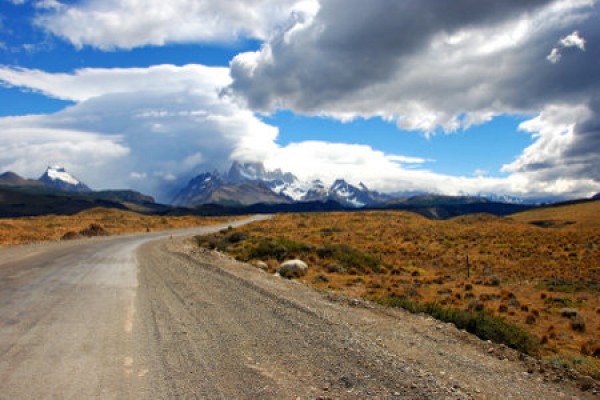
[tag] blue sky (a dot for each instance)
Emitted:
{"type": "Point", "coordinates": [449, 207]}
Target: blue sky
{"type": "Point", "coordinates": [460, 153]}
{"type": "Point", "coordinates": [145, 95]}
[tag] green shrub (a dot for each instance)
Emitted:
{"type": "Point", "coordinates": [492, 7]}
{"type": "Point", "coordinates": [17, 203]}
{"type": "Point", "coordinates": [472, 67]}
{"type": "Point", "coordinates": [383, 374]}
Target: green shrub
{"type": "Point", "coordinates": [236, 237]}
{"type": "Point", "coordinates": [480, 323]}
{"type": "Point", "coordinates": [349, 258]}
{"type": "Point", "coordinates": [278, 248]}
{"type": "Point", "coordinates": [584, 364]}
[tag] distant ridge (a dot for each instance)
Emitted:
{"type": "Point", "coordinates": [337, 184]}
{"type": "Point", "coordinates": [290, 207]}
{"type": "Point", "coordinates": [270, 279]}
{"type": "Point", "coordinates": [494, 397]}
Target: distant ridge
{"type": "Point", "coordinates": [58, 192]}
{"type": "Point", "coordinates": [12, 179]}
{"type": "Point", "coordinates": [240, 191]}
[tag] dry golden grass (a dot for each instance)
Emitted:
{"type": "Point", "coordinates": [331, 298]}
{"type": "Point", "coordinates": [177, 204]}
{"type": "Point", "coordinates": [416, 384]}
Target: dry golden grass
{"type": "Point", "coordinates": [522, 272]}
{"type": "Point", "coordinates": [53, 227]}
{"type": "Point", "coordinates": [586, 215]}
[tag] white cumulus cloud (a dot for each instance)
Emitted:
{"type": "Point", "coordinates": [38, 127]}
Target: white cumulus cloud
{"type": "Point", "coordinates": [572, 40]}
{"type": "Point", "coordinates": [163, 123]}
{"type": "Point", "coordinates": [110, 24]}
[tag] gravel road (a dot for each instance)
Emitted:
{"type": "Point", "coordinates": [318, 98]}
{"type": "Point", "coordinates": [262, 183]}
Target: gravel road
{"type": "Point", "coordinates": [67, 317]}
{"type": "Point", "coordinates": [131, 317]}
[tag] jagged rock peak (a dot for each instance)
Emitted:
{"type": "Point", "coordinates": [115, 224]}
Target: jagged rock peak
{"type": "Point", "coordinates": [255, 171]}
{"type": "Point", "coordinates": [59, 178]}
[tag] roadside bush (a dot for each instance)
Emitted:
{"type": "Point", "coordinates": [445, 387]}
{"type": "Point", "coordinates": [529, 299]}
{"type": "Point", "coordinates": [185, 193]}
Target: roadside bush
{"type": "Point", "coordinates": [277, 248]}
{"type": "Point", "coordinates": [236, 237]}
{"type": "Point", "coordinates": [584, 364]}
{"type": "Point", "coordinates": [480, 323]}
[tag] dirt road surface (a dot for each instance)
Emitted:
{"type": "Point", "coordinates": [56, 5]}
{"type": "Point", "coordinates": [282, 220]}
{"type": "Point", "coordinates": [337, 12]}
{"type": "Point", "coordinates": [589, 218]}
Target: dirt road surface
{"type": "Point", "coordinates": [132, 317]}
{"type": "Point", "coordinates": [67, 316]}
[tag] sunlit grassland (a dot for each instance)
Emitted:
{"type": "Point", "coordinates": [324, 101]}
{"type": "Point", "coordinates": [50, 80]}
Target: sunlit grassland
{"type": "Point", "coordinates": [523, 274]}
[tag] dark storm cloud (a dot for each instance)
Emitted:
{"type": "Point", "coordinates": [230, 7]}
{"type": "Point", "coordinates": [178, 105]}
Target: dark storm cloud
{"type": "Point", "coordinates": [354, 44]}
{"type": "Point", "coordinates": [586, 146]}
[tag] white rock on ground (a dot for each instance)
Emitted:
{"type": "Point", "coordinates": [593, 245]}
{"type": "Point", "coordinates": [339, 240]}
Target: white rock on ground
{"type": "Point", "coordinates": [293, 269]}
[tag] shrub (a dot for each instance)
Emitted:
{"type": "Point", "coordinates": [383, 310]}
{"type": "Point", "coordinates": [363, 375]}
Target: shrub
{"type": "Point", "coordinates": [480, 323]}
{"type": "Point", "coordinates": [236, 237]}
{"type": "Point", "coordinates": [70, 236]}
{"type": "Point", "coordinates": [493, 281]}
{"type": "Point", "coordinates": [336, 268]}
{"type": "Point", "coordinates": [591, 348]}
{"type": "Point", "coordinates": [583, 364]}
{"type": "Point", "coordinates": [560, 302]}
{"type": "Point", "coordinates": [277, 248]}
{"type": "Point", "coordinates": [349, 258]}
{"type": "Point", "coordinates": [475, 305]}
{"type": "Point", "coordinates": [578, 324]}
{"type": "Point", "coordinates": [484, 297]}
{"type": "Point", "coordinates": [320, 278]}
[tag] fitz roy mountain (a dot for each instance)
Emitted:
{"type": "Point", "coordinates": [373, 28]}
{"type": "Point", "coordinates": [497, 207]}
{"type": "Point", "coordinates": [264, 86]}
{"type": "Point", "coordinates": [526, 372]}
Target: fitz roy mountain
{"type": "Point", "coordinates": [59, 178]}
{"type": "Point", "coordinates": [250, 183]}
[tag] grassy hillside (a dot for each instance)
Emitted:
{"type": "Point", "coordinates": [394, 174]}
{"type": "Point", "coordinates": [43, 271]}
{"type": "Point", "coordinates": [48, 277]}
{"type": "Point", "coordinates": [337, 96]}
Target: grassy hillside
{"type": "Point", "coordinates": [583, 215]}
{"type": "Point", "coordinates": [525, 274]}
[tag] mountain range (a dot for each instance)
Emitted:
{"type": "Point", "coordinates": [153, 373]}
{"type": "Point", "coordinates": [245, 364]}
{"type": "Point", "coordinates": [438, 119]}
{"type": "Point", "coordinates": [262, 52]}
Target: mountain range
{"type": "Point", "coordinates": [249, 183]}
{"type": "Point", "coordinates": [245, 188]}
{"type": "Point", "coordinates": [58, 192]}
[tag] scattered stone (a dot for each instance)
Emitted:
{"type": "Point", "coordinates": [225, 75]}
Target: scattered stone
{"type": "Point", "coordinates": [261, 265]}
{"type": "Point", "coordinates": [293, 269]}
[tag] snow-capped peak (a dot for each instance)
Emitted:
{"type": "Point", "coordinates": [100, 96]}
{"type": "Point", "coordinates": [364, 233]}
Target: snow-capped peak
{"type": "Point", "coordinates": [57, 177]}
{"type": "Point", "coordinates": [60, 174]}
